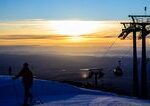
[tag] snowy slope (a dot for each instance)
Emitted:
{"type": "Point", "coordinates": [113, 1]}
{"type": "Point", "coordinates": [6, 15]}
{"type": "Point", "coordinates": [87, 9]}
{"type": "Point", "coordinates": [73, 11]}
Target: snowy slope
{"type": "Point", "coordinates": [52, 93]}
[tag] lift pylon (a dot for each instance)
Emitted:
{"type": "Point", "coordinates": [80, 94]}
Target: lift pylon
{"type": "Point", "coordinates": [140, 23]}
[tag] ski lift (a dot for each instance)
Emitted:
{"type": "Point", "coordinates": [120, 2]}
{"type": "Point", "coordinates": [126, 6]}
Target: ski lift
{"type": "Point", "coordinates": [94, 71]}
{"type": "Point", "coordinates": [90, 74]}
{"type": "Point", "coordinates": [118, 70]}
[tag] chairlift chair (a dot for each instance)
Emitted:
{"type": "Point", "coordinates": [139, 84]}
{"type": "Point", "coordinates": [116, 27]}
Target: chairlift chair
{"type": "Point", "coordinates": [118, 70]}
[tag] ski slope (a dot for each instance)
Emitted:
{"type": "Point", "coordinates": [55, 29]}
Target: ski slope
{"type": "Point", "coordinates": [51, 93]}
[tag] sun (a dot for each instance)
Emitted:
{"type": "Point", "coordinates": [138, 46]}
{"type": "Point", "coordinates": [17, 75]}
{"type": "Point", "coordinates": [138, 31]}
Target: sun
{"type": "Point", "coordinates": [74, 28]}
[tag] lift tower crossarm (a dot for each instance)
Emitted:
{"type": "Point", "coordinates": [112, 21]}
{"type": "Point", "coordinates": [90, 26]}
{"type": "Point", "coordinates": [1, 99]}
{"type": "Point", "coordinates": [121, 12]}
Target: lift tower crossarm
{"type": "Point", "coordinates": [127, 30]}
{"type": "Point", "coordinates": [139, 16]}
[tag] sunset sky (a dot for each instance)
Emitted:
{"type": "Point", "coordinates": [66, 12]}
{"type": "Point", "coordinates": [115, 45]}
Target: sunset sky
{"type": "Point", "coordinates": [77, 23]}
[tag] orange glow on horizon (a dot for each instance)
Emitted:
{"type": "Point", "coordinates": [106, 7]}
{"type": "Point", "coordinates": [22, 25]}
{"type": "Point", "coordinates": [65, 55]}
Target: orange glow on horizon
{"type": "Point", "coordinates": [55, 33]}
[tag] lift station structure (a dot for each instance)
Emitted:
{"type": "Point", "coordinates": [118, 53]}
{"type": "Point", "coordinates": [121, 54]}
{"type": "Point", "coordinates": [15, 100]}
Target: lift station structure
{"type": "Point", "coordinates": [139, 26]}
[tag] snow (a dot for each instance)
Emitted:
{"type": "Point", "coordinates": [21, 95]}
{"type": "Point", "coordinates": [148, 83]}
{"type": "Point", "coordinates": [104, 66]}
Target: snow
{"type": "Point", "coordinates": [51, 93]}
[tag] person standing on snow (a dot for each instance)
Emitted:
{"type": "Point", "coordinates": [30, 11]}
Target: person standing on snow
{"type": "Point", "coordinates": [27, 80]}
{"type": "Point", "coordinates": [9, 70]}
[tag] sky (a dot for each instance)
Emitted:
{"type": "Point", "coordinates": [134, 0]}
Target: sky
{"type": "Point", "coordinates": [89, 25]}
{"type": "Point", "coordinates": [70, 9]}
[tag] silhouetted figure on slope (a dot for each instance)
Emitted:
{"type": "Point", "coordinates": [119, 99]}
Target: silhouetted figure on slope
{"type": "Point", "coordinates": [27, 80]}
{"type": "Point", "coordinates": [9, 70]}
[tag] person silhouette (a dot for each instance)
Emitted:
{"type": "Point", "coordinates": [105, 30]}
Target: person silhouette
{"type": "Point", "coordinates": [9, 70]}
{"type": "Point", "coordinates": [27, 80]}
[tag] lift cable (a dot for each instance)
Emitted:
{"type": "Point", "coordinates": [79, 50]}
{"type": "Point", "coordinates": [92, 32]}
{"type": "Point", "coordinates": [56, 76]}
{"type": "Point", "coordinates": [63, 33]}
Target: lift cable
{"type": "Point", "coordinates": [109, 48]}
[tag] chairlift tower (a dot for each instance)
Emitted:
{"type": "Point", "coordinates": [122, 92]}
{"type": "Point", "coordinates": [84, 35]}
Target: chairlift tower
{"type": "Point", "coordinates": [141, 24]}
{"type": "Point", "coordinates": [96, 72]}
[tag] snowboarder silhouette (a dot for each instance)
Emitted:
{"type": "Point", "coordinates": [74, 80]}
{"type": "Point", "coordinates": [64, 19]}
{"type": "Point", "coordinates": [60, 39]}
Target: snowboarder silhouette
{"type": "Point", "coordinates": [27, 80]}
